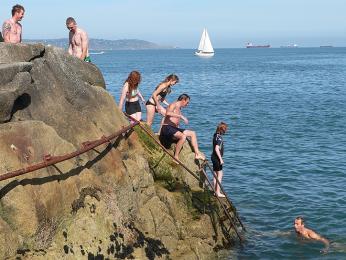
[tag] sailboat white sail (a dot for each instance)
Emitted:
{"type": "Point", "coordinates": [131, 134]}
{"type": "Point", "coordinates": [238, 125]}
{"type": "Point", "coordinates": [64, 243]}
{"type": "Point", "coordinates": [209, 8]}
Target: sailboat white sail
{"type": "Point", "coordinates": [205, 48]}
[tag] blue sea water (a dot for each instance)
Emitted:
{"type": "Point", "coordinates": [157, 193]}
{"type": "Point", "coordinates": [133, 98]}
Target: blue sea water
{"type": "Point", "coordinates": [285, 149]}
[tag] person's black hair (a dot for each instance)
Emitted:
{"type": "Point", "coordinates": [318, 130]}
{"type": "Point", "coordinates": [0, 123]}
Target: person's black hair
{"type": "Point", "coordinates": [17, 8]}
{"type": "Point", "coordinates": [183, 97]}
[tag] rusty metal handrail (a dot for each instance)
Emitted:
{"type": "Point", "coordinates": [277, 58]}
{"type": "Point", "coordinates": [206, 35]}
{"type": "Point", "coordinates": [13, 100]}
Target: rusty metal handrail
{"type": "Point", "coordinates": [49, 160]}
{"type": "Point", "coordinates": [191, 172]}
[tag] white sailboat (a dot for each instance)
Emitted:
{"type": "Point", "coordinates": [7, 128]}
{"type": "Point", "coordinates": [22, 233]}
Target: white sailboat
{"type": "Point", "coordinates": [205, 49]}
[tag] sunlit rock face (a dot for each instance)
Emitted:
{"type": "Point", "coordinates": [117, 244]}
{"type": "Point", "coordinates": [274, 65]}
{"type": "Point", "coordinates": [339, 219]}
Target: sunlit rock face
{"type": "Point", "coordinates": [108, 202]}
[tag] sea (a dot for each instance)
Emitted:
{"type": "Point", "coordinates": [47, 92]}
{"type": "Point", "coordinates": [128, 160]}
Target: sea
{"type": "Point", "coordinates": [285, 150]}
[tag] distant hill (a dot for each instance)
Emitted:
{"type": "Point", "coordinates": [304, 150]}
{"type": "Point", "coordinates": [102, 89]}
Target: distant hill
{"type": "Point", "coordinates": [100, 44]}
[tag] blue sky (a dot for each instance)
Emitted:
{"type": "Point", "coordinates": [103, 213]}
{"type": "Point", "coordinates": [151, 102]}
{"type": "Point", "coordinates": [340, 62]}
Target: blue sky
{"type": "Point", "coordinates": [230, 23]}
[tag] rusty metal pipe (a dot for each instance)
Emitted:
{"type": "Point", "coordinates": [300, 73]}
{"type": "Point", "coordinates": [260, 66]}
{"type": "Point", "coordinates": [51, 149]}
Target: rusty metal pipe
{"type": "Point", "coordinates": [49, 160]}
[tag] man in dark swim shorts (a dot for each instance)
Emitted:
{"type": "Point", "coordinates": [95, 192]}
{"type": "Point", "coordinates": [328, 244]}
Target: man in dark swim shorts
{"type": "Point", "coordinates": [170, 131]}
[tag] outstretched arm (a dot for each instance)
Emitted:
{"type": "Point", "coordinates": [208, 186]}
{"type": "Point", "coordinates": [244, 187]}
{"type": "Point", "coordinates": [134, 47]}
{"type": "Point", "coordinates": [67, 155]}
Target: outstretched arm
{"type": "Point", "coordinates": [170, 112]}
{"type": "Point", "coordinates": [315, 236]}
{"type": "Point", "coordinates": [160, 88]}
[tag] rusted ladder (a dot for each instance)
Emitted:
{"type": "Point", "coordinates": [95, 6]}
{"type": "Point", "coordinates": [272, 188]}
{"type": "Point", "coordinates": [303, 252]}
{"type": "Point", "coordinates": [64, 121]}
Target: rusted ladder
{"type": "Point", "coordinates": [229, 209]}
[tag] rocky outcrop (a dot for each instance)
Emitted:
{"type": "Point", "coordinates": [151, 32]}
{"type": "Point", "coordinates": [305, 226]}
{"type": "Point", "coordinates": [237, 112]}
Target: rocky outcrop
{"type": "Point", "coordinates": [118, 201]}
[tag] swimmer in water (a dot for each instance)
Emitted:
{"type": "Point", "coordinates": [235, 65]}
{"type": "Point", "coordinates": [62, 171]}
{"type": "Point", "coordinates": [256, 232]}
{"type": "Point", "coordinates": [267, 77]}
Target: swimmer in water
{"type": "Point", "coordinates": [309, 234]}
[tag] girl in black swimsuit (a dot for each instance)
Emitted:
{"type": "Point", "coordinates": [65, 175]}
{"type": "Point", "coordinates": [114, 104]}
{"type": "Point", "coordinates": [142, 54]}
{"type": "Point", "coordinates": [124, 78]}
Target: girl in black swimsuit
{"type": "Point", "coordinates": [216, 156]}
{"type": "Point", "coordinates": [131, 93]}
{"type": "Point", "coordinates": [153, 104]}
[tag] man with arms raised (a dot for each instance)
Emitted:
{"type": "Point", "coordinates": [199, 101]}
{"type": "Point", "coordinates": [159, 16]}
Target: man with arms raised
{"type": "Point", "coordinates": [170, 129]}
{"type": "Point", "coordinates": [11, 28]}
{"type": "Point", "coordinates": [309, 234]}
{"type": "Point", "coordinates": [78, 40]}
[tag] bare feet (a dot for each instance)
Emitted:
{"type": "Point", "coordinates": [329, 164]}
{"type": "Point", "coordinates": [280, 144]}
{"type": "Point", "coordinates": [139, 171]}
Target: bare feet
{"type": "Point", "coordinates": [176, 160]}
{"type": "Point", "coordinates": [220, 195]}
{"type": "Point", "coordinates": [199, 156]}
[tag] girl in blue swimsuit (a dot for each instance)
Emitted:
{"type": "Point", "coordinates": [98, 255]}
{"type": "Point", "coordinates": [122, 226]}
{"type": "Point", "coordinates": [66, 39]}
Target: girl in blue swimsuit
{"type": "Point", "coordinates": [131, 93]}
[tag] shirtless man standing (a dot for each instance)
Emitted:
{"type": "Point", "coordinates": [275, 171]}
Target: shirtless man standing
{"type": "Point", "coordinates": [309, 234]}
{"type": "Point", "coordinates": [170, 129]}
{"type": "Point", "coordinates": [11, 28]}
{"type": "Point", "coordinates": [78, 41]}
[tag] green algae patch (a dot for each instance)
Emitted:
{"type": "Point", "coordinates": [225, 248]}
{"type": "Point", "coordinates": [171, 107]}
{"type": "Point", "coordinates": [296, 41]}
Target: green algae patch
{"type": "Point", "coordinates": [146, 140]}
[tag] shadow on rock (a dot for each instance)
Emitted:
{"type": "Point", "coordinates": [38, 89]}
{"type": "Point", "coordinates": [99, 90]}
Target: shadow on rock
{"type": "Point", "coordinates": [62, 176]}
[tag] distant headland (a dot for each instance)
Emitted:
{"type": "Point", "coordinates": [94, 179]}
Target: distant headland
{"type": "Point", "coordinates": [101, 44]}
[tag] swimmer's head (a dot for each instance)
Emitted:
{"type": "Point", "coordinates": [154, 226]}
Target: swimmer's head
{"type": "Point", "coordinates": [298, 223]}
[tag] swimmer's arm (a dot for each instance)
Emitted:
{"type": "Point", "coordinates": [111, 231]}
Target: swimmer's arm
{"type": "Point", "coordinates": [315, 236]}
{"type": "Point", "coordinates": [123, 95]}
{"type": "Point", "coordinates": [84, 38]}
{"type": "Point", "coordinates": [6, 29]}
{"type": "Point", "coordinates": [217, 151]}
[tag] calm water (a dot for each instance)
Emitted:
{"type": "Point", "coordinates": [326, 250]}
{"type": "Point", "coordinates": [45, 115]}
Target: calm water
{"type": "Point", "coordinates": [285, 151]}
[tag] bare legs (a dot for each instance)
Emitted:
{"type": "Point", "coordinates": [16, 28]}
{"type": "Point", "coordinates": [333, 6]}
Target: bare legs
{"type": "Point", "coordinates": [181, 139]}
{"type": "Point", "coordinates": [150, 114]}
{"type": "Point", "coordinates": [192, 135]}
{"type": "Point", "coordinates": [219, 175]}
{"type": "Point", "coordinates": [137, 116]}
{"type": "Point", "coordinates": [162, 120]}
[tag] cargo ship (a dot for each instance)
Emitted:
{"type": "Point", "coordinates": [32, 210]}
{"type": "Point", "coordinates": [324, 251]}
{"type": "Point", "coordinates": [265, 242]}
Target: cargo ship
{"type": "Point", "coordinates": [250, 45]}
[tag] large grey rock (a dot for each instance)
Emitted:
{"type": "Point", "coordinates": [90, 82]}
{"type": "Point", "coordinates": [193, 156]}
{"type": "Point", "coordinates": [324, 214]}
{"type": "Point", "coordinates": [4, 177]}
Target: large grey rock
{"type": "Point", "coordinates": [9, 71]}
{"type": "Point", "coordinates": [13, 95]}
{"type": "Point", "coordinates": [10, 52]}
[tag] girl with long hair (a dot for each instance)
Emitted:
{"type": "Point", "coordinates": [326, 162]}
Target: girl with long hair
{"type": "Point", "coordinates": [159, 95]}
{"type": "Point", "coordinates": [131, 94]}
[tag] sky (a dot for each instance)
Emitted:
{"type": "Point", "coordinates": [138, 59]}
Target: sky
{"type": "Point", "coordinates": [230, 23]}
